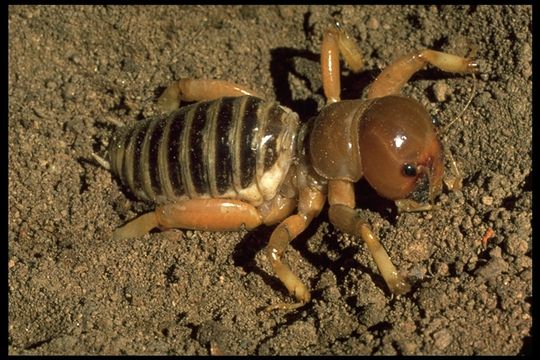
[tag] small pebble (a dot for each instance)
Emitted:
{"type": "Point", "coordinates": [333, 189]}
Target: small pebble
{"type": "Point", "coordinates": [51, 85]}
{"type": "Point", "coordinates": [373, 23]}
{"type": "Point", "coordinates": [440, 89]}
{"type": "Point", "coordinates": [487, 200]}
{"type": "Point", "coordinates": [69, 91]}
{"type": "Point", "coordinates": [75, 59]}
{"type": "Point", "coordinates": [443, 338]}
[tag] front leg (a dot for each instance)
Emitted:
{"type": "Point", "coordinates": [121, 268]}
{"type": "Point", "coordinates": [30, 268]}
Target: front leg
{"type": "Point", "coordinates": [343, 215]}
{"type": "Point", "coordinates": [395, 75]}
{"type": "Point", "coordinates": [336, 41]}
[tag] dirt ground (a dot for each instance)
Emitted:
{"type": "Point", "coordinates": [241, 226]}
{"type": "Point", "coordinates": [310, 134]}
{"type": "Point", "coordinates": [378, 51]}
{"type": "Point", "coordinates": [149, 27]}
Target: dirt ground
{"type": "Point", "coordinates": [72, 290]}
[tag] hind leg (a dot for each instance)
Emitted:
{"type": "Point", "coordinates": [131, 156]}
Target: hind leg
{"type": "Point", "coordinates": [198, 90]}
{"type": "Point", "coordinates": [195, 214]}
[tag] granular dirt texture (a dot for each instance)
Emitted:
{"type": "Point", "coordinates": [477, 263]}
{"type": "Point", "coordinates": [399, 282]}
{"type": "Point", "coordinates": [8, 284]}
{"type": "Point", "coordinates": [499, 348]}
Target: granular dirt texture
{"type": "Point", "coordinates": [74, 70]}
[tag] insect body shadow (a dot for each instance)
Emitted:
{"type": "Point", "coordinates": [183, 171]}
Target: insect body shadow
{"type": "Point", "coordinates": [283, 62]}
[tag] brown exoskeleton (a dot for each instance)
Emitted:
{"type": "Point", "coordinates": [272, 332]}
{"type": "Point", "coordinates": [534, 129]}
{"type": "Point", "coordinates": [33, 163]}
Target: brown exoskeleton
{"type": "Point", "coordinates": [233, 160]}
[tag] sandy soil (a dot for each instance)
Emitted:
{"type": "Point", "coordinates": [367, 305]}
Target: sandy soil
{"type": "Point", "coordinates": [74, 291]}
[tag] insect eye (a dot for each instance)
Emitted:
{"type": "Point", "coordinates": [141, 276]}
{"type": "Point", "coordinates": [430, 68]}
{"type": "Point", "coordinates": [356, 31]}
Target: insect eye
{"type": "Point", "coordinates": [409, 170]}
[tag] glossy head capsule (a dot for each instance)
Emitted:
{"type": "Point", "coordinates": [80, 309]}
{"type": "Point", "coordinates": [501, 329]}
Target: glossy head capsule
{"type": "Point", "coordinates": [401, 155]}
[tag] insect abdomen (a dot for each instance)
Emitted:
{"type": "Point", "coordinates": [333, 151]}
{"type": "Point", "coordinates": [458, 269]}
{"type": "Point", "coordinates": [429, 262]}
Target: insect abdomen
{"type": "Point", "coordinates": [233, 147]}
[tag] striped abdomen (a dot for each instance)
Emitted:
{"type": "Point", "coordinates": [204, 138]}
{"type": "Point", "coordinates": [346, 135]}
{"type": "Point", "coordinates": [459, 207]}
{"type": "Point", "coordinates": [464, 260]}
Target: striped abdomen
{"type": "Point", "coordinates": [237, 147]}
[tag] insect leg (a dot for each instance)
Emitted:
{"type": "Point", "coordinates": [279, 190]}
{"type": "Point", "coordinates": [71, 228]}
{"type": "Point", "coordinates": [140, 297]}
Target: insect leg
{"type": "Point", "coordinates": [400, 71]}
{"type": "Point", "coordinates": [136, 227]}
{"type": "Point", "coordinates": [198, 90]}
{"type": "Point", "coordinates": [336, 41]}
{"type": "Point", "coordinates": [277, 209]}
{"type": "Point", "coordinates": [349, 50]}
{"type": "Point", "coordinates": [195, 214]}
{"type": "Point", "coordinates": [309, 205]}
{"type": "Point", "coordinates": [345, 217]}
{"type": "Point", "coordinates": [330, 65]}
